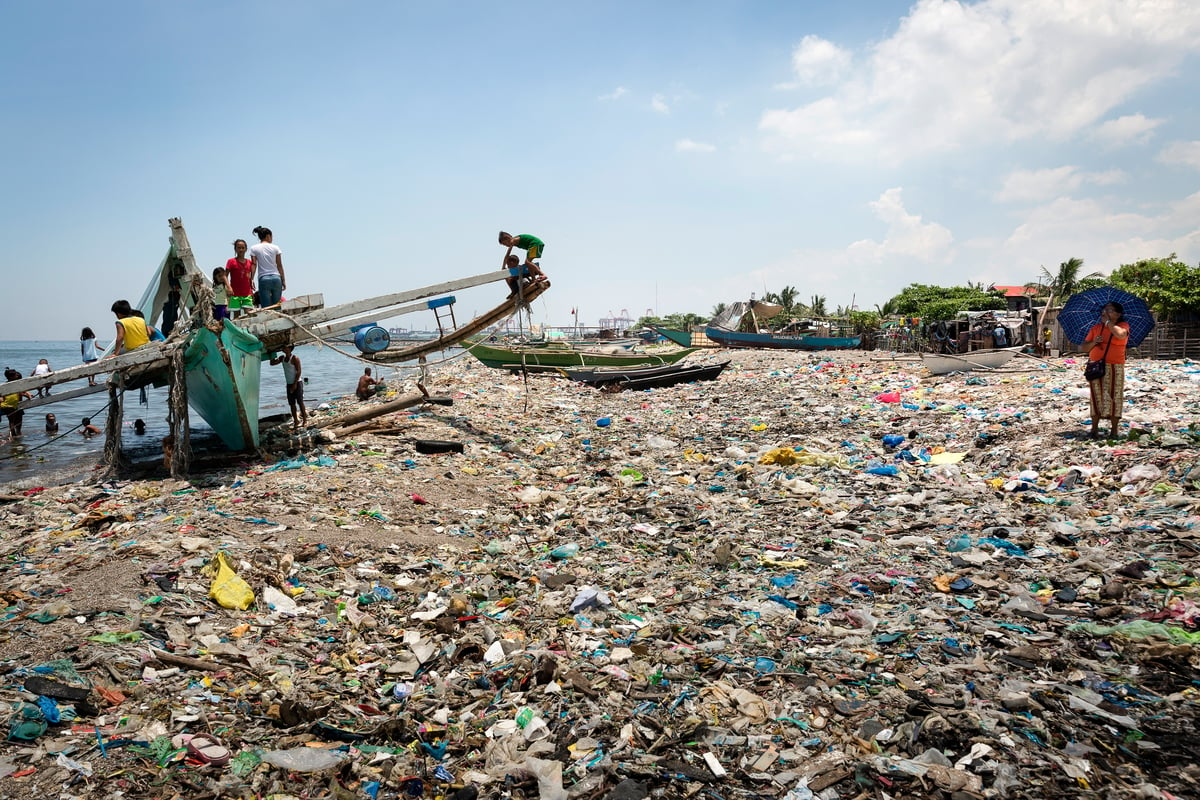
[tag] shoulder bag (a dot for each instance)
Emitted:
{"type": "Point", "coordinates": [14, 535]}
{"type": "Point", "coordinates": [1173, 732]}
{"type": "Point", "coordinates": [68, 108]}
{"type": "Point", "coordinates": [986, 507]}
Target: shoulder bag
{"type": "Point", "coordinates": [1094, 370]}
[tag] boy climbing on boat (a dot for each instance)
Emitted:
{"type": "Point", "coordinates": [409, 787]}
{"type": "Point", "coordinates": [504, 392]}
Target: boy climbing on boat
{"type": "Point", "coordinates": [533, 248]}
{"type": "Point", "coordinates": [295, 384]}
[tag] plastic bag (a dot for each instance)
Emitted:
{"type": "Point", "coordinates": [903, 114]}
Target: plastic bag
{"type": "Point", "coordinates": [228, 589]}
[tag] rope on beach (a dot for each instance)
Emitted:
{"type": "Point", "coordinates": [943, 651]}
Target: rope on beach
{"type": "Point", "coordinates": [27, 450]}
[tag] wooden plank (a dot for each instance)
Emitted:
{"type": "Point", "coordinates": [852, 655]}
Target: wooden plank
{"type": "Point", "coordinates": [146, 354]}
{"type": "Point", "coordinates": [70, 394]}
{"type": "Point", "coordinates": [477, 325]}
{"type": "Point", "coordinates": [378, 304]}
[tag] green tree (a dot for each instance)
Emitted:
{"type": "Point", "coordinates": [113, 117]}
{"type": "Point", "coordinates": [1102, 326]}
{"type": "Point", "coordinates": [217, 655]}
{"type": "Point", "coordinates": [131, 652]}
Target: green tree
{"type": "Point", "coordinates": [1059, 285]}
{"type": "Point", "coordinates": [817, 306]}
{"type": "Point", "coordinates": [944, 302]}
{"type": "Point", "coordinates": [718, 310]}
{"type": "Point", "coordinates": [1169, 286]}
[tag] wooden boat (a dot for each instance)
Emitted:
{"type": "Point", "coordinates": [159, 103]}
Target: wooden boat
{"type": "Point", "coordinates": [671, 373]}
{"type": "Point", "coordinates": [681, 338]}
{"type": "Point", "coordinates": [222, 371]}
{"type": "Point", "coordinates": [681, 374]}
{"type": "Point", "coordinates": [727, 338]}
{"type": "Point", "coordinates": [549, 357]}
{"type": "Point", "coordinates": [942, 364]}
{"type": "Point", "coordinates": [724, 330]}
{"type": "Point", "coordinates": [215, 366]}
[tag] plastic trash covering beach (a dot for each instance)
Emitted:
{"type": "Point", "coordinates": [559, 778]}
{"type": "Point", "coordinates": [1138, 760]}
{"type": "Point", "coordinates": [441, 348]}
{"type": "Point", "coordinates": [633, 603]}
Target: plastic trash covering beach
{"type": "Point", "coordinates": [710, 595]}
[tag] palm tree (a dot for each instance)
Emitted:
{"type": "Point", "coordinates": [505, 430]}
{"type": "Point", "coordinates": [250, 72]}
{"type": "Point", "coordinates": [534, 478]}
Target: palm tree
{"type": "Point", "coordinates": [718, 310]}
{"type": "Point", "coordinates": [1062, 284]}
{"type": "Point", "coordinates": [817, 306]}
{"type": "Point", "coordinates": [787, 298]}
{"type": "Point", "coordinates": [888, 309]}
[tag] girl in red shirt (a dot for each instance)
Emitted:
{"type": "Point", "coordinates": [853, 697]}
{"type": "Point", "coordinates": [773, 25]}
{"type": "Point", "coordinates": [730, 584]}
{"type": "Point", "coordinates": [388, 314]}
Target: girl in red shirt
{"type": "Point", "coordinates": [241, 278]}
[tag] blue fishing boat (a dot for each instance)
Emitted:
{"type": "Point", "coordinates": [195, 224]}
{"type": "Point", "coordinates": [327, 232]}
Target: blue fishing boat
{"type": "Point", "coordinates": [724, 329]}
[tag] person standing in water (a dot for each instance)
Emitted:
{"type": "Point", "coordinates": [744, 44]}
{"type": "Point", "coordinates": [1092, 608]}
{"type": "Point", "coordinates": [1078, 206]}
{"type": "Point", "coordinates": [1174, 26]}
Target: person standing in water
{"type": "Point", "coordinates": [268, 265]}
{"type": "Point", "coordinates": [292, 376]}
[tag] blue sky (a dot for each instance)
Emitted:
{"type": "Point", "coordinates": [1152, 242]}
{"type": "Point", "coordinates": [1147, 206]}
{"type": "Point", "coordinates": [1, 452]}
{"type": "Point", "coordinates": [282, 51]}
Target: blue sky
{"type": "Point", "coordinates": [672, 155]}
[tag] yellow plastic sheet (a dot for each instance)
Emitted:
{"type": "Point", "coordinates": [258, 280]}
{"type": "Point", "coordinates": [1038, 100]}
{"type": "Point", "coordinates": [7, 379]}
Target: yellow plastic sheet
{"type": "Point", "coordinates": [228, 589]}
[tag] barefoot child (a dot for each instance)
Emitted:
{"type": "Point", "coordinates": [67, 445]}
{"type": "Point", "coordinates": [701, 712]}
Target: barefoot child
{"type": "Point", "coordinates": [222, 291]}
{"type": "Point", "coordinates": [295, 384]}
{"type": "Point", "coordinates": [533, 248]}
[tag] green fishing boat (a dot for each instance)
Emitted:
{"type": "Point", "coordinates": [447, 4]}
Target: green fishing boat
{"type": "Point", "coordinates": [223, 374]}
{"type": "Point", "coordinates": [550, 358]}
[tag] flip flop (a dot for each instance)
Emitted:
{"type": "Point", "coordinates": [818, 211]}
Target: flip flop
{"type": "Point", "coordinates": [204, 747]}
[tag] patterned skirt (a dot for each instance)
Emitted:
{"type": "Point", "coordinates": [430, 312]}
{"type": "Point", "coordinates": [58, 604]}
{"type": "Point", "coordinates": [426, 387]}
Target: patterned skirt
{"type": "Point", "coordinates": [1108, 393]}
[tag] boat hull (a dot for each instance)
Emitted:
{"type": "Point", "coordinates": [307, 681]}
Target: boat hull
{"type": "Point", "coordinates": [681, 338]}
{"type": "Point", "coordinates": [680, 374]}
{"type": "Point", "coordinates": [979, 359]}
{"type": "Point", "coordinates": [549, 359]}
{"type": "Point", "coordinates": [223, 373]}
{"type": "Point", "coordinates": [727, 338]}
{"type": "Point", "coordinates": [668, 373]}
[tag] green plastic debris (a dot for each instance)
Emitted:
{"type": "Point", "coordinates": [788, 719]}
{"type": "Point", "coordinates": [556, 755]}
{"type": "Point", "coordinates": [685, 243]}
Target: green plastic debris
{"type": "Point", "coordinates": [1139, 629]}
{"type": "Point", "coordinates": [116, 637]}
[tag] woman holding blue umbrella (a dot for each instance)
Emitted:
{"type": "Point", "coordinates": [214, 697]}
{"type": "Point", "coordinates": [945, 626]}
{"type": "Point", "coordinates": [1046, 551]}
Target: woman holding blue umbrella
{"type": "Point", "coordinates": [1108, 338]}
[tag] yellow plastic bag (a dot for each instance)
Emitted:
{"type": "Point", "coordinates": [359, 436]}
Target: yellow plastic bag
{"type": "Point", "coordinates": [782, 456]}
{"type": "Point", "coordinates": [228, 589]}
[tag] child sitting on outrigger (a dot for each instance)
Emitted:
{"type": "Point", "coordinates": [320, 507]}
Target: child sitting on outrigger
{"type": "Point", "coordinates": [533, 247]}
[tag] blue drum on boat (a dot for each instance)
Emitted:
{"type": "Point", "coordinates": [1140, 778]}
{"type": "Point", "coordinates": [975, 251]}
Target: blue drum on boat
{"type": "Point", "coordinates": [371, 339]}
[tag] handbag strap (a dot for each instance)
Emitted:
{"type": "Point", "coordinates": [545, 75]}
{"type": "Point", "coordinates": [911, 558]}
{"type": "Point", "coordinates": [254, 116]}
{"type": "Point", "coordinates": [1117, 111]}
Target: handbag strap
{"type": "Point", "coordinates": [1106, 344]}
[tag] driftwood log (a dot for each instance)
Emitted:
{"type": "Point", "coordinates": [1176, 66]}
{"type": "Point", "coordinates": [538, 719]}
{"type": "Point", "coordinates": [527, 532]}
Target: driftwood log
{"type": "Point", "coordinates": [352, 422]}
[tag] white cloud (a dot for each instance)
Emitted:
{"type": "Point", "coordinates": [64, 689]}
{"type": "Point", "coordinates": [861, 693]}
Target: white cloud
{"type": "Point", "coordinates": [956, 74]}
{"type": "Point", "coordinates": [1024, 185]}
{"type": "Point", "coordinates": [869, 272]}
{"type": "Point", "coordinates": [659, 104]}
{"type": "Point", "coordinates": [1187, 153]}
{"type": "Point", "coordinates": [689, 146]}
{"type": "Point", "coordinates": [907, 234]}
{"type": "Point", "coordinates": [615, 94]}
{"type": "Point", "coordinates": [1129, 129]}
{"type": "Point", "coordinates": [1103, 236]}
{"type": "Point", "coordinates": [818, 61]}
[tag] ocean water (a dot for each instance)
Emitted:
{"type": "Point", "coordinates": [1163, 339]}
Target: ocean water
{"type": "Point", "coordinates": [40, 458]}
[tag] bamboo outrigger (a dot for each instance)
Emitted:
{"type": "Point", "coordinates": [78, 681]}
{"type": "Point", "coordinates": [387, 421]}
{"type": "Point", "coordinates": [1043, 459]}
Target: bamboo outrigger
{"type": "Point", "coordinates": [214, 366]}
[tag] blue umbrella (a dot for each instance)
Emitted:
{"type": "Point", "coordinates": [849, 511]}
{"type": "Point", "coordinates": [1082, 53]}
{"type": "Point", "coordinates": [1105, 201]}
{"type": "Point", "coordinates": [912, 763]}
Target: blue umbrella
{"type": "Point", "coordinates": [1082, 311]}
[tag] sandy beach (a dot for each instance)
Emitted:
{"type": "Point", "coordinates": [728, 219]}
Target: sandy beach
{"type": "Point", "coordinates": [735, 589]}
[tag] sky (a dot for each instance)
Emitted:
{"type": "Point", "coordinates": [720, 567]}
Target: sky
{"type": "Point", "coordinates": [672, 155]}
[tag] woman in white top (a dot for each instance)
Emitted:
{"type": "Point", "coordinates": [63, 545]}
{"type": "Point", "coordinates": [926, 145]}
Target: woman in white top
{"type": "Point", "coordinates": [268, 267]}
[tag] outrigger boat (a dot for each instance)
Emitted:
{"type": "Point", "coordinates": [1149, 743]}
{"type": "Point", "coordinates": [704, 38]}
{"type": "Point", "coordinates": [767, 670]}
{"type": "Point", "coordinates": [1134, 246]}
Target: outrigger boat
{"type": "Point", "coordinates": [654, 377]}
{"type": "Point", "coordinates": [215, 365]}
{"type": "Point", "coordinates": [551, 357]}
{"type": "Point", "coordinates": [943, 363]}
{"type": "Point", "coordinates": [724, 330]}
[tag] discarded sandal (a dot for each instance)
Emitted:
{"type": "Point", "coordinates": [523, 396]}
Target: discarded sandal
{"type": "Point", "coordinates": [203, 747]}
